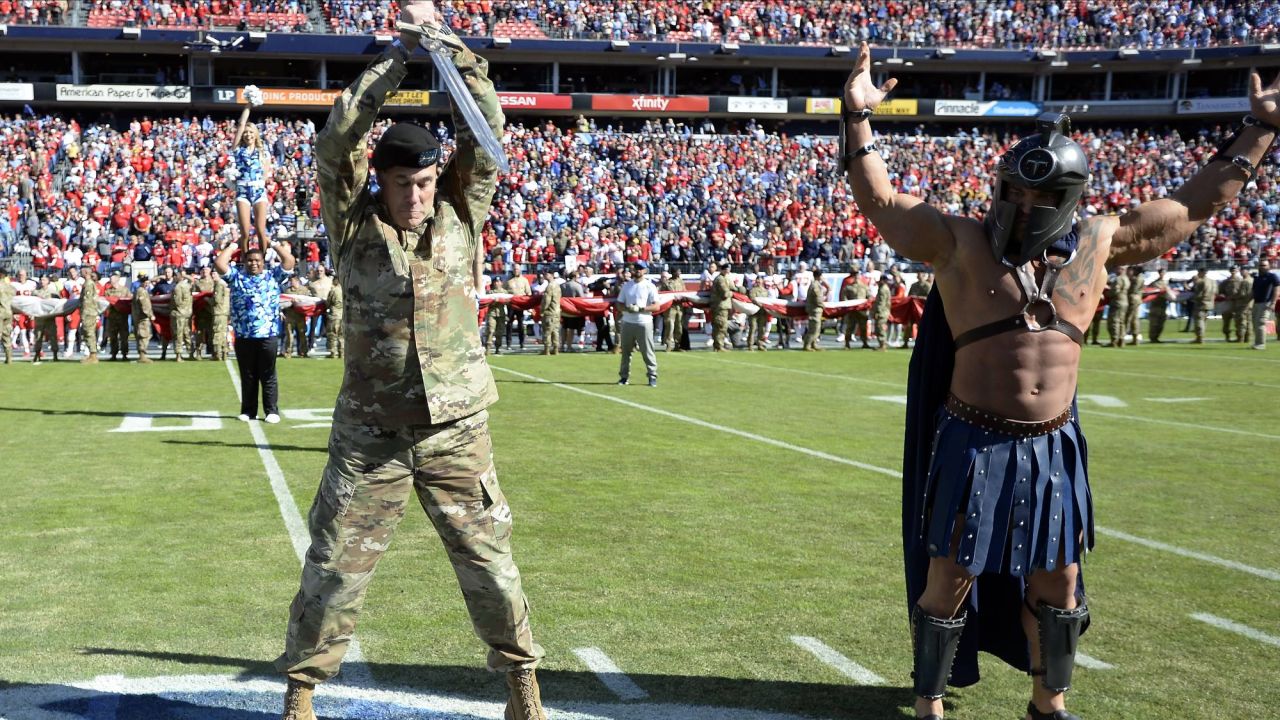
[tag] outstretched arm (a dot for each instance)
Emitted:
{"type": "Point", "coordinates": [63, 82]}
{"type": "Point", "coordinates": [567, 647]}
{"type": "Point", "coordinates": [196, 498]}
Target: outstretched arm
{"type": "Point", "coordinates": [1154, 227]}
{"type": "Point", "coordinates": [240, 126]}
{"type": "Point", "coordinates": [910, 226]}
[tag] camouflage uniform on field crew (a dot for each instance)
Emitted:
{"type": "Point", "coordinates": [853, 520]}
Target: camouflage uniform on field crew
{"type": "Point", "coordinates": [1158, 310]}
{"type": "Point", "coordinates": [117, 320]}
{"type": "Point", "coordinates": [1204, 293]}
{"type": "Point", "coordinates": [813, 304]}
{"type": "Point", "coordinates": [142, 317]}
{"type": "Point", "coordinates": [180, 319]}
{"type": "Point", "coordinates": [551, 318]}
{"type": "Point", "coordinates": [1131, 325]}
{"type": "Point", "coordinates": [46, 327]}
{"type": "Point", "coordinates": [722, 290]}
{"type": "Point", "coordinates": [758, 324]}
{"type": "Point", "coordinates": [855, 323]}
{"type": "Point", "coordinates": [495, 320]}
{"type": "Point", "coordinates": [203, 342]}
{"type": "Point", "coordinates": [221, 303]}
{"type": "Point", "coordinates": [1241, 299]}
{"type": "Point", "coordinates": [1117, 306]}
{"type": "Point", "coordinates": [673, 318]}
{"type": "Point", "coordinates": [333, 320]}
{"type": "Point", "coordinates": [881, 310]}
{"type": "Point", "coordinates": [411, 414]}
{"type": "Point", "coordinates": [6, 317]}
{"type": "Point", "coordinates": [89, 313]}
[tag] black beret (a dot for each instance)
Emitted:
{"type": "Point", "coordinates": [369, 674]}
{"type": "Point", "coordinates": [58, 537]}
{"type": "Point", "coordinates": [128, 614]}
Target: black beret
{"type": "Point", "coordinates": [406, 144]}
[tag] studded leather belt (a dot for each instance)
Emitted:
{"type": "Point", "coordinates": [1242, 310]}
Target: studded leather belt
{"type": "Point", "coordinates": [994, 423]}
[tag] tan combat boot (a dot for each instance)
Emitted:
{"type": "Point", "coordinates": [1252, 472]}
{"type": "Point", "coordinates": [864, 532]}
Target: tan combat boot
{"type": "Point", "coordinates": [297, 701]}
{"type": "Point", "coordinates": [525, 702]}
{"type": "Point", "coordinates": [91, 360]}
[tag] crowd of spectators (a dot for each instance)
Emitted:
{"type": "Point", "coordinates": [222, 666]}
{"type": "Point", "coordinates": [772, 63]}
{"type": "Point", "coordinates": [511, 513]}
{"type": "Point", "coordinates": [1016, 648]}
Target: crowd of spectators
{"type": "Point", "coordinates": [920, 23]}
{"type": "Point", "coordinates": [579, 194]}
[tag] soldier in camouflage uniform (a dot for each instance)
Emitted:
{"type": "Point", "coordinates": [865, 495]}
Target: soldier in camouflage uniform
{"type": "Point", "coordinates": [1239, 293]}
{"type": "Point", "coordinates": [181, 307]}
{"type": "Point", "coordinates": [89, 313]}
{"type": "Point", "coordinates": [881, 310]}
{"type": "Point", "coordinates": [333, 320]}
{"type": "Point", "coordinates": [814, 301]}
{"type": "Point", "coordinates": [142, 317]}
{"type": "Point", "coordinates": [551, 316]}
{"type": "Point", "coordinates": [295, 323]}
{"type": "Point", "coordinates": [758, 324]}
{"type": "Point", "coordinates": [1134, 308]}
{"type": "Point", "coordinates": [6, 315]}
{"type": "Point", "coordinates": [1204, 293]}
{"type": "Point", "coordinates": [117, 319]}
{"type": "Point", "coordinates": [722, 290]}
{"type": "Point", "coordinates": [411, 415]}
{"type": "Point", "coordinates": [673, 318]}
{"type": "Point", "coordinates": [203, 342]}
{"type": "Point", "coordinates": [1158, 310]}
{"type": "Point", "coordinates": [221, 318]}
{"type": "Point", "coordinates": [46, 327]}
{"type": "Point", "coordinates": [495, 321]}
{"type": "Point", "coordinates": [1117, 306]}
{"type": "Point", "coordinates": [855, 323]}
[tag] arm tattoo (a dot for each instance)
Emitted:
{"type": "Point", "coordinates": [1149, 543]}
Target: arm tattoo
{"type": "Point", "coordinates": [1077, 279]}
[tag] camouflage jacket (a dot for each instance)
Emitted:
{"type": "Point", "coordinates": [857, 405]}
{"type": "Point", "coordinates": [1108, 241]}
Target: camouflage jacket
{"type": "Point", "coordinates": [333, 302]}
{"type": "Point", "coordinates": [814, 299]}
{"type": "Point", "coordinates": [884, 301]}
{"type": "Point", "coordinates": [413, 352]}
{"type": "Point", "coordinates": [1118, 291]}
{"type": "Point", "coordinates": [221, 299]}
{"type": "Point", "coordinates": [142, 306]}
{"type": "Point", "coordinates": [6, 299]}
{"type": "Point", "coordinates": [551, 300]}
{"type": "Point", "coordinates": [116, 292]}
{"type": "Point", "coordinates": [856, 290]}
{"type": "Point", "coordinates": [89, 300]}
{"type": "Point", "coordinates": [722, 289]}
{"type": "Point", "coordinates": [1204, 292]}
{"type": "Point", "coordinates": [181, 299]}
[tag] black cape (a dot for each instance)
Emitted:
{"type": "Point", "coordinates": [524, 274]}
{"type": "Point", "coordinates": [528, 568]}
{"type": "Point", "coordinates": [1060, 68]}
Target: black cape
{"type": "Point", "coordinates": [995, 603]}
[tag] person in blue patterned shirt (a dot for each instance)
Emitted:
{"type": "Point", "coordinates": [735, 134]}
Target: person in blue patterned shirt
{"type": "Point", "coordinates": [255, 310]}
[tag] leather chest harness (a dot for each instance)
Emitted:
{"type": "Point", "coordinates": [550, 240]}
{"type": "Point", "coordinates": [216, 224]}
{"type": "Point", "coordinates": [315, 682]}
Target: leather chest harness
{"type": "Point", "coordinates": [1037, 298]}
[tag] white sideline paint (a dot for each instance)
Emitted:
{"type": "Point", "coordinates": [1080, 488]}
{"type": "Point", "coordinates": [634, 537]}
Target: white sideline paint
{"type": "Point", "coordinates": [1092, 663]}
{"type": "Point", "coordinates": [354, 669]}
{"type": "Point", "coordinates": [1154, 545]}
{"type": "Point", "coordinates": [840, 663]}
{"type": "Point", "coordinates": [895, 399]}
{"type": "Point", "coordinates": [1174, 423]}
{"type": "Point", "coordinates": [811, 373]}
{"type": "Point", "coordinates": [610, 674]}
{"type": "Point", "coordinates": [222, 692]}
{"type": "Point", "coordinates": [1104, 401]}
{"type": "Point", "coordinates": [1237, 628]}
{"type": "Point", "coordinates": [1174, 401]}
{"type": "Point", "coordinates": [1203, 557]}
{"type": "Point", "coordinates": [1252, 357]}
{"type": "Point", "coordinates": [708, 425]}
{"type": "Point", "coordinates": [1200, 381]}
{"type": "Point", "coordinates": [145, 422]}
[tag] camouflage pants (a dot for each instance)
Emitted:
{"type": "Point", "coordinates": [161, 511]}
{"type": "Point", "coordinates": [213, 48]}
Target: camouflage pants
{"type": "Point", "coordinates": [1156, 318]}
{"type": "Point", "coordinates": [813, 330]}
{"type": "Point", "coordinates": [1238, 316]}
{"type": "Point", "coordinates": [219, 331]}
{"type": "Point", "coordinates": [1115, 322]}
{"type": "Point", "coordinates": [758, 330]}
{"type": "Point", "coordinates": [333, 335]}
{"type": "Point", "coordinates": [855, 326]}
{"type": "Point", "coordinates": [1201, 322]}
{"type": "Point", "coordinates": [89, 332]}
{"type": "Point", "coordinates": [670, 322]}
{"type": "Point", "coordinates": [142, 333]}
{"type": "Point", "coordinates": [6, 332]}
{"type": "Point", "coordinates": [881, 329]}
{"type": "Point", "coordinates": [494, 323]}
{"type": "Point", "coordinates": [720, 329]}
{"type": "Point", "coordinates": [550, 334]}
{"type": "Point", "coordinates": [1131, 325]}
{"type": "Point", "coordinates": [362, 496]}
{"type": "Point", "coordinates": [118, 334]}
{"type": "Point", "coordinates": [182, 344]}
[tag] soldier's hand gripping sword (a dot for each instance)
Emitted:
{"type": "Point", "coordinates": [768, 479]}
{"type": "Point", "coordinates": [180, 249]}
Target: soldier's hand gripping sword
{"type": "Point", "coordinates": [435, 40]}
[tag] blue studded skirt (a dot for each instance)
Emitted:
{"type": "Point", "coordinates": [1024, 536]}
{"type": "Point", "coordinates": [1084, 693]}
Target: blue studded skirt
{"type": "Point", "coordinates": [1025, 501]}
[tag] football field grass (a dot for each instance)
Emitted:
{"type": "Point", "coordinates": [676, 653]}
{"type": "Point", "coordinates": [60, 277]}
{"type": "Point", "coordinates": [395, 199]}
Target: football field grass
{"type": "Point", "coordinates": [707, 536]}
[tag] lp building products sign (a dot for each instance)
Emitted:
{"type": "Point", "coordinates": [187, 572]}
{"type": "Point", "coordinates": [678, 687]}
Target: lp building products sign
{"type": "Point", "coordinates": [178, 94]}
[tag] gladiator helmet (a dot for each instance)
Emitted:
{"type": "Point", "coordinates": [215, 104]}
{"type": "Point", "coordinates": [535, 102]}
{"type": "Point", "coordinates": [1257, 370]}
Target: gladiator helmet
{"type": "Point", "coordinates": [1048, 160]}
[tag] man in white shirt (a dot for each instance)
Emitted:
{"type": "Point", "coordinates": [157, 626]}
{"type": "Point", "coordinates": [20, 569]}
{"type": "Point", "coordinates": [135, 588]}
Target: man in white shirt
{"type": "Point", "coordinates": [639, 300]}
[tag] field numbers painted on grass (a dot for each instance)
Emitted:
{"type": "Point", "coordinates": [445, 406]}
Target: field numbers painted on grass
{"type": "Point", "coordinates": [311, 417]}
{"type": "Point", "coordinates": [610, 674]}
{"type": "Point", "coordinates": [170, 421]}
{"type": "Point", "coordinates": [1237, 628]}
{"type": "Point", "coordinates": [1092, 663]}
{"type": "Point", "coordinates": [1104, 401]}
{"type": "Point", "coordinates": [896, 399]}
{"type": "Point", "coordinates": [840, 663]}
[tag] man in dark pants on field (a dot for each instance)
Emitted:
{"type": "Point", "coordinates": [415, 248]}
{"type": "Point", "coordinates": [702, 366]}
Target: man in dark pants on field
{"type": "Point", "coordinates": [997, 512]}
{"type": "Point", "coordinates": [255, 312]}
{"type": "Point", "coordinates": [411, 416]}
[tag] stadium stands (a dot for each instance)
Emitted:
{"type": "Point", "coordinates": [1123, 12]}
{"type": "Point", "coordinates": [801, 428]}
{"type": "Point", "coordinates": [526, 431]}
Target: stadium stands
{"type": "Point", "coordinates": [915, 23]}
{"type": "Point", "coordinates": [692, 198]}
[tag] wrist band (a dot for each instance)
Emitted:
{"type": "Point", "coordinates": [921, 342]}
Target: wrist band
{"type": "Point", "coordinates": [855, 116]}
{"type": "Point", "coordinates": [1251, 121]}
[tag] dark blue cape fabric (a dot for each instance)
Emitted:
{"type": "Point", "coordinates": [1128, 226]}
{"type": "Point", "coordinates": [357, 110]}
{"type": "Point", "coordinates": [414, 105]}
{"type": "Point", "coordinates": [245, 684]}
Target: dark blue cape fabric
{"type": "Point", "coordinates": [995, 603]}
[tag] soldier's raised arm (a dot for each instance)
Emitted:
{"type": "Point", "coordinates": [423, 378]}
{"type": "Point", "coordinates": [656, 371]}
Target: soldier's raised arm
{"type": "Point", "coordinates": [909, 225]}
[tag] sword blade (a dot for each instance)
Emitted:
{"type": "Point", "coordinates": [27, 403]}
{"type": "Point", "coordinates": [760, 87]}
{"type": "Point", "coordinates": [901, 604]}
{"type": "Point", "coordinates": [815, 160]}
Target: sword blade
{"type": "Point", "coordinates": [462, 100]}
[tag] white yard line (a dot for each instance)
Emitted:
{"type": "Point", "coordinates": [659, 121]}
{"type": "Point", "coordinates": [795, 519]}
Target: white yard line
{"type": "Point", "coordinates": [1237, 628]}
{"type": "Point", "coordinates": [1203, 557]}
{"type": "Point", "coordinates": [1152, 544]}
{"type": "Point", "coordinates": [709, 425]}
{"type": "Point", "coordinates": [1251, 357]}
{"type": "Point", "coordinates": [1092, 663]}
{"type": "Point", "coordinates": [840, 663]}
{"type": "Point", "coordinates": [1201, 381]}
{"type": "Point", "coordinates": [610, 674]}
{"type": "Point", "coordinates": [354, 669]}
{"type": "Point", "coordinates": [810, 373]}
{"type": "Point", "coordinates": [1173, 423]}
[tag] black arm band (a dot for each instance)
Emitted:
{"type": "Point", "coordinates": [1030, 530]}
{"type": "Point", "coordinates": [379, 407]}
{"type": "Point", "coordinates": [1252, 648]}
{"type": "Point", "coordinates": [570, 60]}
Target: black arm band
{"type": "Point", "coordinates": [1249, 121]}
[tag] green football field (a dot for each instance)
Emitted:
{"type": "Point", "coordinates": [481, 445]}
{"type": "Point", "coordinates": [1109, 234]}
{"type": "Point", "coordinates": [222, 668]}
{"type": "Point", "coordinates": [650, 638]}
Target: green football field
{"type": "Point", "coordinates": [723, 546]}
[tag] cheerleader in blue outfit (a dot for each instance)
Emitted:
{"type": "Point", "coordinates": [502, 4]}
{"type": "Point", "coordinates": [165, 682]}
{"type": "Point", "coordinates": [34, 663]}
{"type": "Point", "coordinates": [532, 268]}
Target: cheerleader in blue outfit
{"type": "Point", "coordinates": [253, 166]}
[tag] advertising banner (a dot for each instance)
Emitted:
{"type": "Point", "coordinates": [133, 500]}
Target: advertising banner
{"type": "Point", "coordinates": [535, 101]}
{"type": "Point", "coordinates": [124, 93]}
{"type": "Point", "coordinates": [1214, 105]}
{"type": "Point", "coordinates": [650, 103]}
{"type": "Point", "coordinates": [758, 106]}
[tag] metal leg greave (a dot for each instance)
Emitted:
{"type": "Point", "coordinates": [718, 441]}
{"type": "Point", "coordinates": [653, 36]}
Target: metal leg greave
{"type": "Point", "coordinates": [1059, 635]}
{"type": "Point", "coordinates": [935, 641]}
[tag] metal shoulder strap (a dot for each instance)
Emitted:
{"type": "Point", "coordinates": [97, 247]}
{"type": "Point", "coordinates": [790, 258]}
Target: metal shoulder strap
{"type": "Point", "coordinates": [1035, 297]}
